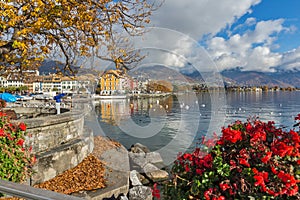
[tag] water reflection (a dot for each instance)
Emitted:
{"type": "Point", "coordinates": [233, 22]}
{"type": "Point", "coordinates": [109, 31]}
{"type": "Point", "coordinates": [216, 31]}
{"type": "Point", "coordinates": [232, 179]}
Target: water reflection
{"type": "Point", "coordinates": [116, 111]}
{"type": "Point", "coordinates": [175, 121]}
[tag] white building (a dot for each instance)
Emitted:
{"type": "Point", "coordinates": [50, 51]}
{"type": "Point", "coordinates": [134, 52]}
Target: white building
{"type": "Point", "coordinates": [69, 85]}
{"type": "Point", "coordinates": [14, 80]}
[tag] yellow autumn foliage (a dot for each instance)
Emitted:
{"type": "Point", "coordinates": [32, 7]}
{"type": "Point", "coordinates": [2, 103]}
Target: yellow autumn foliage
{"type": "Point", "coordinates": [31, 30]}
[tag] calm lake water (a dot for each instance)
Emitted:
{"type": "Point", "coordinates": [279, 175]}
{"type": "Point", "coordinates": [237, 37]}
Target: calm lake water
{"type": "Point", "coordinates": [175, 123]}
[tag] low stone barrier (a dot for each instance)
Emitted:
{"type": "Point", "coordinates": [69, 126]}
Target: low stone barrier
{"type": "Point", "coordinates": [59, 142]}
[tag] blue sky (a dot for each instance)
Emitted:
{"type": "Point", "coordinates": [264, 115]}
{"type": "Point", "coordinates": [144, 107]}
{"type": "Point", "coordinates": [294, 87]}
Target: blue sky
{"type": "Point", "coordinates": [261, 35]}
{"type": "Point", "coordinates": [289, 10]}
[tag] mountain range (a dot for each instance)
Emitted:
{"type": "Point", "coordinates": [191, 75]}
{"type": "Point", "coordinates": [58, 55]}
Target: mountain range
{"type": "Point", "coordinates": [254, 78]}
{"type": "Point", "coordinates": [232, 77]}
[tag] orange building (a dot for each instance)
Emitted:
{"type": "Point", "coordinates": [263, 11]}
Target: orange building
{"type": "Point", "coordinates": [110, 81]}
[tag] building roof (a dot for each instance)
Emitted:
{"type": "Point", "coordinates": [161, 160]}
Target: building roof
{"type": "Point", "coordinates": [118, 73]}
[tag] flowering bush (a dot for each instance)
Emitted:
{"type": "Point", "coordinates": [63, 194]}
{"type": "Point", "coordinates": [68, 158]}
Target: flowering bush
{"type": "Point", "coordinates": [251, 160]}
{"type": "Point", "coordinates": [15, 159]}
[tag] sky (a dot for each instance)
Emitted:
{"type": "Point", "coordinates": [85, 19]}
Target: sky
{"type": "Point", "coordinates": [261, 35]}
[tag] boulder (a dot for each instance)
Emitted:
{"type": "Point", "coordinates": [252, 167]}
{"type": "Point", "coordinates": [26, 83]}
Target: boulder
{"type": "Point", "coordinates": [154, 173]}
{"type": "Point", "coordinates": [134, 178]}
{"type": "Point", "coordinates": [140, 193]}
{"type": "Point", "coordinates": [155, 158]}
{"type": "Point", "coordinates": [143, 179]}
{"type": "Point", "coordinates": [139, 148]}
{"type": "Point", "coordinates": [137, 160]}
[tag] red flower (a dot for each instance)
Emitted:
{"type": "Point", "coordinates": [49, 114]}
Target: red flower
{"type": "Point", "coordinates": [248, 127]}
{"type": "Point", "coordinates": [155, 191]}
{"type": "Point", "coordinates": [281, 149]}
{"type": "Point", "coordinates": [244, 153]}
{"type": "Point", "coordinates": [210, 142]}
{"type": "Point", "coordinates": [224, 186]}
{"type": "Point", "coordinates": [288, 179]}
{"type": "Point", "coordinates": [208, 161]}
{"type": "Point", "coordinates": [187, 169]}
{"type": "Point", "coordinates": [232, 135]}
{"type": "Point", "coordinates": [258, 136]}
{"type": "Point", "coordinates": [260, 182]}
{"type": "Point", "coordinates": [293, 191]}
{"type": "Point", "coordinates": [2, 134]}
{"type": "Point", "coordinates": [244, 162]}
{"type": "Point", "coordinates": [20, 142]}
{"type": "Point", "coordinates": [199, 171]}
{"type": "Point", "coordinates": [2, 114]}
{"type": "Point", "coordinates": [266, 158]}
{"type": "Point", "coordinates": [274, 170]}
{"type": "Point", "coordinates": [22, 126]}
{"type": "Point", "coordinates": [255, 171]}
{"type": "Point", "coordinates": [207, 193]}
{"type": "Point", "coordinates": [295, 136]}
{"type": "Point", "coordinates": [9, 137]}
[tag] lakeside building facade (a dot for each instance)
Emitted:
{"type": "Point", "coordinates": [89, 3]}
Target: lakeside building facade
{"type": "Point", "coordinates": [116, 82]}
{"type": "Point", "coordinates": [48, 83]}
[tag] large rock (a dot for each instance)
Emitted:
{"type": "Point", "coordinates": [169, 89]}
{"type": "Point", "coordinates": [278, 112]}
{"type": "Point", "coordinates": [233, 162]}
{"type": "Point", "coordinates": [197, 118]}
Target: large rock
{"type": "Point", "coordinates": [139, 148]}
{"type": "Point", "coordinates": [154, 173]}
{"type": "Point", "coordinates": [140, 193]}
{"type": "Point", "coordinates": [137, 160]}
{"type": "Point", "coordinates": [143, 179]}
{"type": "Point", "coordinates": [134, 178]}
{"type": "Point", "coordinates": [155, 158]}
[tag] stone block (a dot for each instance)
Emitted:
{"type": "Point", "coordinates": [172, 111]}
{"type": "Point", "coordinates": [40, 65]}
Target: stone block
{"type": "Point", "coordinates": [139, 148]}
{"type": "Point", "coordinates": [137, 160]}
{"type": "Point", "coordinates": [134, 179]}
{"type": "Point", "coordinates": [154, 173]}
{"type": "Point", "coordinates": [140, 193]}
{"type": "Point", "coordinates": [155, 158]}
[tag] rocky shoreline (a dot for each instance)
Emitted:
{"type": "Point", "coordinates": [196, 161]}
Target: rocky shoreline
{"type": "Point", "coordinates": [145, 169]}
{"type": "Point", "coordinates": [129, 173]}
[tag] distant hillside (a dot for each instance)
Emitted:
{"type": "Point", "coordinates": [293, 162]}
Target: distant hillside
{"type": "Point", "coordinates": [230, 77]}
{"type": "Point", "coordinates": [289, 77]}
{"type": "Point", "coordinates": [160, 73]}
{"type": "Point", "coordinates": [253, 78]}
{"type": "Point", "coordinates": [50, 67]}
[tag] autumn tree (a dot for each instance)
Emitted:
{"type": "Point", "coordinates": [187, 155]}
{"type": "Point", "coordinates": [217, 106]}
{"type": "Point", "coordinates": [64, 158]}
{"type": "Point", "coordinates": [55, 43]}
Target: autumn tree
{"type": "Point", "coordinates": [32, 30]}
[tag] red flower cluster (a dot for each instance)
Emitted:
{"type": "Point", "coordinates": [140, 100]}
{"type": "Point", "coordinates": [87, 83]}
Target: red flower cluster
{"type": "Point", "coordinates": [252, 158]}
{"type": "Point", "coordinates": [13, 150]}
{"type": "Point", "coordinates": [155, 191]}
{"type": "Point", "coordinates": [195, 162]}
{"type": "Point", "coordinates": [230, 135]}
{"type": "Point", "coordinates": [22, 126]}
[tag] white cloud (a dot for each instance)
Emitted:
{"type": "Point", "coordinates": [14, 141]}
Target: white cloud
{"type": "Point", "coordinates": [251, 50]}
{"type": "Point", "coordinates": [198, 17]}
{"type": "Point", "coordinates": [291, 60]}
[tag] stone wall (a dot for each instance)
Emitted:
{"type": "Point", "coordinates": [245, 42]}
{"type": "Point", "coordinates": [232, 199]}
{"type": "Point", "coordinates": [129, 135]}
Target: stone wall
{"type": "Point", "coordinates": [59, 142]}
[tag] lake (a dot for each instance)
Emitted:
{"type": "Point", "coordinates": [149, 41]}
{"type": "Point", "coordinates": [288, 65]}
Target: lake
{"type": "Point", "coordinates": [176, 123]}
